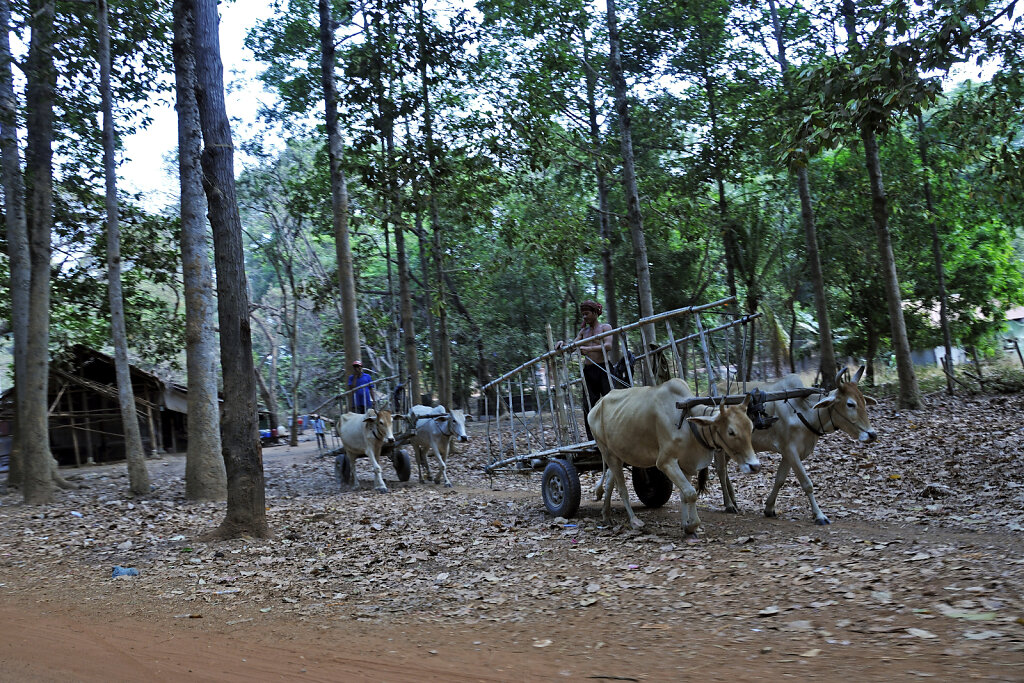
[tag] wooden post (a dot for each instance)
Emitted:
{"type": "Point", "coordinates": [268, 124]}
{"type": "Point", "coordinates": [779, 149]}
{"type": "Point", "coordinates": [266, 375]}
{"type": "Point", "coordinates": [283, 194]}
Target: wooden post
{"type": "Point", "coordinates": [1016, 345]}
{"type": "Point", "coordinates": [89, 460]}
{"type": "Point", "coordinates": [555, 382]}
{"type": "Point", "coordinates": [153, 446]}
{"type": "Point", "coordinates": [74, 428]}
{"type": "Point", "coordinates": [159, 425]}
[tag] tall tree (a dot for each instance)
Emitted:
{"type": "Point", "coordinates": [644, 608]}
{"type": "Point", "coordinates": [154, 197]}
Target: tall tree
{"type": "Point", "coordinates": [604, 221]}
{"type": "Point", "coordinates": [339, 188]}
{"type": "Point", "coordinates": [827, 364]}
{"type": "Point", "coordinates": [32, 394]}
{"type": "Point", "coordinates": [246, 496]}
{"type": "Point", "coordinates": [17, 235]}
{"type": "Point", "coordinates": [443, 352]}
{"type": "Point", "coordinates": [138, 477]}
{"type": "Point", "coordinates": [870, 126]}
{"type": "Point", "coordinates": [940, 269]}
{"type": "Point", "coordinates": [629, 184]}
{"type": "Point", "coordinates": [205, 477]}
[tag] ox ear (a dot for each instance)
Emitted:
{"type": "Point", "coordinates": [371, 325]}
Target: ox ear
{"type": "Point", "coordinates": [701, 420]}
{"type": "Point", "coordinates": [869, 401]}
{"type": "Point", "coordinates": [825, 402]}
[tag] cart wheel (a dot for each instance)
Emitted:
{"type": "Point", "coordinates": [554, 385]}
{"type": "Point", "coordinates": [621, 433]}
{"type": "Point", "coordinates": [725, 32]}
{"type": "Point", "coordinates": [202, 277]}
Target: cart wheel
{"type": "Point", "coordinates": [403, 466]}
{"type": "Point", "coordinates": [652, 487]}
{"type": "Point", "coordinates": [342, 470]}
{"type": "Point", "coordinates": [560, 488]}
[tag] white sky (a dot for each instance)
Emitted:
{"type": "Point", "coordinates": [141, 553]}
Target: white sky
{"type": "Point", "coordinates": [148, 156]}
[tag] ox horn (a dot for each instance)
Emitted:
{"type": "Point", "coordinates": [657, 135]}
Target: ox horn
{"type": "Point", "coordinates": [839, 375]}
{"type": "Point", "coordinates": [860, 373]}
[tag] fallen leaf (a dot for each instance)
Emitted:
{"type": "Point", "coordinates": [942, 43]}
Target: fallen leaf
{"type": "Point", "coordinates": [921, 633]}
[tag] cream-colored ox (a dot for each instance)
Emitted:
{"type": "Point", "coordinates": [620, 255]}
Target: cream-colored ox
{"type": "Point", "coordinates": [801, 422]}
{"type": "Point", "coordinates": [365, 434]}
{"type": "Point", "coordinates": [640, 427]}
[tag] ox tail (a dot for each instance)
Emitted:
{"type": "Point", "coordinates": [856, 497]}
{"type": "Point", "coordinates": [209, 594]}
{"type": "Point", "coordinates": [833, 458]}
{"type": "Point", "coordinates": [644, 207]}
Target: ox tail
{"type": "Point", "coordinates": [702, 481]}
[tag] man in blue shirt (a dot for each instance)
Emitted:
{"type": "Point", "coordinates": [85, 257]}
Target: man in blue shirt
{"type": "Point", "coordinates": [362, 397]}
{"type": "Point", "coordinates": [318, 428]}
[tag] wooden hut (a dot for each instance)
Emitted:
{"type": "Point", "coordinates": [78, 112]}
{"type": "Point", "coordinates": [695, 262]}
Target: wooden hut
{"type": "Point", "coordinates": [85, 416]}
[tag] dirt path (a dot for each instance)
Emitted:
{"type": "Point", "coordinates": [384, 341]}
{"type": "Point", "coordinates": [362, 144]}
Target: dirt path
{"type": "Point", "coordinates": [473, 583]}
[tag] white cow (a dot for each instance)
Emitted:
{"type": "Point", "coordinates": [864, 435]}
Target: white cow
{"type": "Point", "coordinates": [433, 433]}
{"type": "Point", "coordinates": [801, 422]}
{"type": "Point", "coordinates": [640, 427]}
{"type": "Point", "coordinates": [365, 434]}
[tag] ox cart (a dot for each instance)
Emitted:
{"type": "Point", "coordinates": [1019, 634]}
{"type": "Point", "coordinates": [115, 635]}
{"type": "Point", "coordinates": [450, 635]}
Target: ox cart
{"type": "Point", "coordinates": [396, 453]}
{"type": "Point", "coordinates": [405, 431]}
{"type": "Point", "coordinates": [534, 413]}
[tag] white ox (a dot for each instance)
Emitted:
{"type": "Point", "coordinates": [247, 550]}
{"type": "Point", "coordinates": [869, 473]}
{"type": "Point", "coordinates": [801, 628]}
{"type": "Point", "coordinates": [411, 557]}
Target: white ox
{"type": "Point", "coordinates": [641, 427]}
{"type": "Point", "coordinates": [794, 435]}
{"type": "Point", "coordinates": [433, 432]}
{"type": "Point", "coordinates": [365, 434]}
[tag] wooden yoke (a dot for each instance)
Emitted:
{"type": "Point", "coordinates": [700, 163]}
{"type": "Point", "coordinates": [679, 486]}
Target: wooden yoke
{"type": "Point", "coordinates": [736, 399]}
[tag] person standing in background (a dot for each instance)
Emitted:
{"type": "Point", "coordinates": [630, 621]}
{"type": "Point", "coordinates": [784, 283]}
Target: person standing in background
{"type": "Point", "coordinates": [318, 428]}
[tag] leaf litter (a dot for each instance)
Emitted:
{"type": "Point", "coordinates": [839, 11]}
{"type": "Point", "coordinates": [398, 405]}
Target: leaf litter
{"type": "Point", "coordinates": [891, 563]}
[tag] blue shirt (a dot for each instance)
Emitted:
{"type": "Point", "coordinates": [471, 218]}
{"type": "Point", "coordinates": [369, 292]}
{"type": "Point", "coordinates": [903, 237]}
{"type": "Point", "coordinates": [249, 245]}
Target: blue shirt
{"type": "Point", "coordinates": [361, 395]}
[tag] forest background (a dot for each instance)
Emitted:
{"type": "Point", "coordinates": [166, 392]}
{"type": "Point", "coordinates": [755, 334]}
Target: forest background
{"type": "Point", "coordinates": [503, 162]}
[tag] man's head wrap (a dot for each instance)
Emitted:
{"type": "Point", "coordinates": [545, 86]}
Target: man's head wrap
{"type": "Point", "coordinates": [591, 305]}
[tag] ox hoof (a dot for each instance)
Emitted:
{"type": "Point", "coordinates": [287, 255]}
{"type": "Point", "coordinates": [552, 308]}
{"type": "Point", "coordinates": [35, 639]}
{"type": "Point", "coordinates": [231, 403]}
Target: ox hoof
{"type": "Point", "coordinates": [691, 538]}
{"type": "Point", "coordinates": [636, 523]}
{"type": "Point", "coordinates": [732, 510]}
{"type": "Point", "coordinates": [383, 489]}
{"type": "Point", "coordinates": [448, 485]}
{"type": "Point", "coordinates": [771, 514]}
{"type": "Point", "coordinates": [822, 521]}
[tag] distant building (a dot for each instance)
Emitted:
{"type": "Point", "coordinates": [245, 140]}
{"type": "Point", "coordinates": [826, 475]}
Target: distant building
{"type": "Point", "coordinates": [85, 416]}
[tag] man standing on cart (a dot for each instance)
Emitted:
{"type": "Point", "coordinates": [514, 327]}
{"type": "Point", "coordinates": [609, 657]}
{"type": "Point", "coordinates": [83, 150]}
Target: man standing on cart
{"type": "Point", "coordinates": [598, 357]}
{"type": "Point", "coordinates": [362, 397]}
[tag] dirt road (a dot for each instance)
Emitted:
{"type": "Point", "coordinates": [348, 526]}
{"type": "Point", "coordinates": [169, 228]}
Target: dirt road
{"type": "Point", "coordinates": [475, 583]}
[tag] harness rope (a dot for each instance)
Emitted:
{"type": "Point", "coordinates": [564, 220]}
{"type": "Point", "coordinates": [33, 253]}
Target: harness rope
{"type": "Point", "coordinates": [820, 431]}
{"type": "Point", "coordinates": [376, 426]}
{"type": "Point", "coordinates": [447, 425]}
{"type": "Point", "coordinates": [695, 430]}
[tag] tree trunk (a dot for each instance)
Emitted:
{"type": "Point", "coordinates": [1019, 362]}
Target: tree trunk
{"type": "Point", "coordinates": [827, 349]}
{"type": "Point", "coordinates": [910, 393]}
{"type": "Point", "coordinates": [17, 238]}
{"type": "Point", "coordinates": [940, 269]}
{"type": "Point", "coordinates": [483, 376]}
{"type": "Point", "coordinates": [872, 335]}
{"type": "Point", "coordinates": [443, 360]}
{"type": "Point", "coordinates": [33, 419]}
{"type": "Point", "coordinates": [604, 223]}
{"type": "Point", "coordinates": [405, 308]}
{"type": "Point", "coordinates": [205, 477]}
{"type": "Point", "coordinates": [427, 296]}
{"type": "Point", "coordinates": [246, 498]}
{"type": "Point", "coordinates": [792, 333]}
{"type": "Point", "coordinates": [269, 389]}
{"type": "Point", "coordinates": [730, 245]}
{"type": "Point", "coordinates": [281, 257]}
{"type": "Point", "coordinates": [339, 190]}
{"type": "Point", "coordinates": [635, 219]}
{"type": "Point", "coordinates": [138, 477]}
